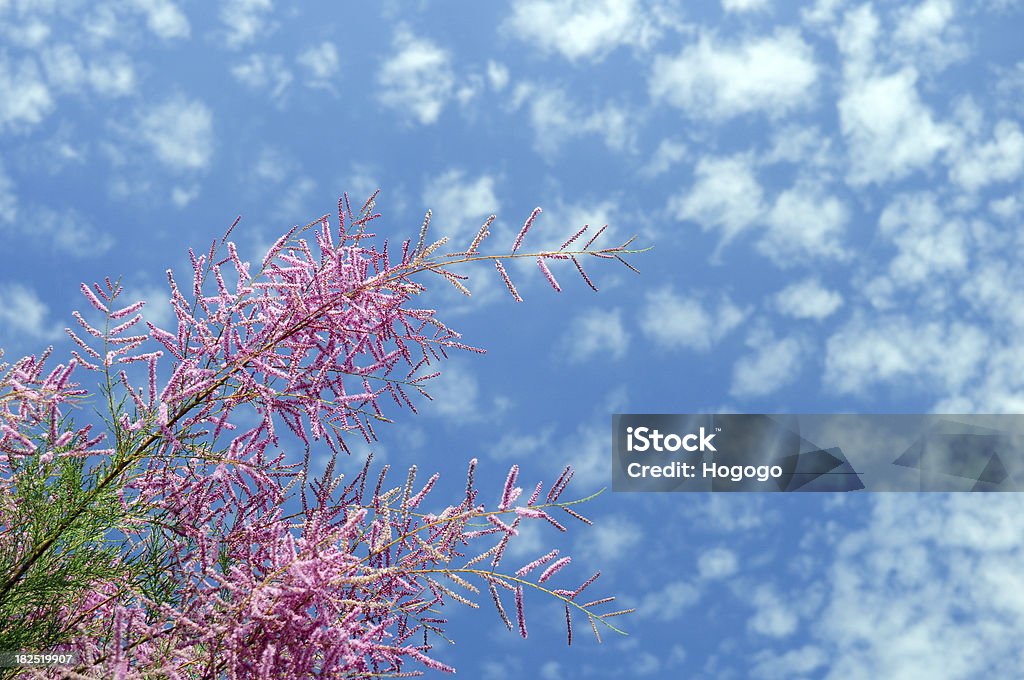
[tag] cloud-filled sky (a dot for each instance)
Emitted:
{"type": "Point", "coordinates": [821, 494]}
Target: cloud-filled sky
{"type": "Point", "coordinates": [834, 195]}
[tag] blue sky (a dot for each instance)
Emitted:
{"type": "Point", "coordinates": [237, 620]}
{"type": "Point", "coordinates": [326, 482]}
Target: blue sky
{"type": "Point", "coordinates": [833, 193]}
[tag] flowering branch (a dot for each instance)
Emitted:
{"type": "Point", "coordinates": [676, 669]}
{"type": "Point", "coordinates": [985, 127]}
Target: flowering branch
{"type": "Point", "coordinates": [171, 550]}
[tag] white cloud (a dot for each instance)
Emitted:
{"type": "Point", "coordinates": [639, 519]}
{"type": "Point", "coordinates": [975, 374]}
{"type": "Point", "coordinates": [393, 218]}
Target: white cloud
{"type": "Point", "coordinates": [992, 289]}
{"type": "Point", "coordinates": [644, 663]}
{"type": "Point", "coordinates": [24, 313]}
{"type": "Point", "coordinates": [67, 231]}
{"type": "Point", "coordinates": [773, 364]}
{"type": "Point", "coordinates": [64, 68]}
{"type": "Point", "coordinates": [182, 196]}
{"type": "Point", "coordinates": [102, 24]}
{"type": "Point", "coordinates": [597, 333]}
{"type": "Point", "coordinates": [610, 540]}
{"type": "Point", "coordinates": [26, 100]}
{"type": "Point", "coordinates": [556, 119]}
{"type": "Point", "coordinates": [8, 198]}
{"type": "Point", "coordinates": [456, 393]}
{"type": "Point", "coordinates": [1006, 207]}
{"type": "Point", "coordinates": [180, 133]}
{"type": "Point", "coordinates": [856, 39]}
{"type": "Point", "coordinates": [164, 18]}
{"type": "Point", "coordinates": [497, 75]}
{"type": "Point", "coordinates": [771, 74]}
{"type": "Point", "coordinates": [805, 223]}
{"type": "Point", "coordinates": [902, 351]}
{"type": "Point", "coordinates": [745, 5]}
{"type": "Point", "coordinates": [459, 206]}
{"type": "Point", "coordinates": [930, 587]}
{"type": "Point", "coordinates": [114, 76]}
{"type": "Point", "coordinates": [669, 602]}
{"type": "Point", "coordinates": [668, 154]}
{"type": "Point", "coordinates": [158, 303]}
{"type": "Point", "coordinates": [273, 165]}
{"type": "Point", "coordinates": [529, 544]}
{"type": "Point", "coordinates": [295, 199]}
{"type": "Point", "coordinates": [795, 663]}
{"type": "Point", "coordinates": [771, 617]}
{"type": "Point", "coordinates": [263, 72]}
{"type": "Point", "coordinates": [587, 452]}
{"type": "Point", "coordinates": [807, 299]}
{"type": "Point", "coordinates": [672, 321]}
{"type": "Point", "coordinates": [1001, 386]}
{"type": "Point", "coordinates": [725, 195]}
{"type": "Point", "coordinates": [930, 244]}
{"type": "Point", "coordinates": [561, 220]}
{"type": "Point", "coordinates": [717, 563]}
{"type": "Point", "coordinates": [552, 670]}
{"type": "Point", "coordinates": [805, 147]}
{"type": "Point", "coordinates": [1000, 160]}
{"type": "Point", "coordinates": [516, 447]}
{"type": "Point", "coordinates": [321, 62]}
{"type": "Point", "coordinates": [585, 29]}
{"type": "Point", "coordinates": [822, 13]}
{"type": "Point", "coordinates": [246, 20]}
{"type": "Point", "coordinates": [417, 80]}
{"type": "Point", "coordinates": [31, 34]}
{"type": "Point", "coordinates": [889, 131]}
{"type": "Point", "coordinates": [928, 35]}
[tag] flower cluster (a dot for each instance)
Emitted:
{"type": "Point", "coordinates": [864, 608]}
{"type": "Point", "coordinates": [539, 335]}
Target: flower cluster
{"type": "Point", "coordinates": [168, 541]}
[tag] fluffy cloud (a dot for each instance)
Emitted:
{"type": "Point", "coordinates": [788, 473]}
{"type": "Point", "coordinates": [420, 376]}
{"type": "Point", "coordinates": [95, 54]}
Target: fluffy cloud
{"type": "Point", "coordinates": [807, 299]}
{"type": "Point", "coordinates": [772, 617]}
{"type": "Point", "coordinates": [8, 199]}
{"type": "Point", "coordinates": [929, 35]}
{"type": "Point", "coordinates": [597, 333]}
{"type": "Point", "coordinates": [929, 587]}
{"type": "Point", "coordinates": [668, 153]}
{"type": "Point", "coordinates": [180, 133]}
{"type": "Point", "coordinates": [459, 205]}
{"type": "Point", "coordinates": [585, 29]}
{"type": "Point", "coordinates": [164, 18]}
{"type": "Point", "coordinates": [263, 72]}
{"type": "Point", "coordinates": [23, 313]}
{"type": "Point", "coordinates": [1000, 160]}
{"type": "Point", "coordinates": [930, 243]}
{"type": "Point", "coordinates": [898, 349]}
{"type": "Point", "coordinates": [497, 75]}
{"type": "Point", "coordinates": [613, 538]}
{"type": "Point", "coordinates": [774, 363]}
{"type": "Point", "coordinates": [27, 100]}
{"type": "Point", "coordinates": [804, 223]}
{"type": "Point", "coordinates": [556, 119]}
{"type": "Point", "coordinates": [672, 321]}
{"type": "Point", "coordinates": [745, 5]}
{"type": "Point", "coordinates": [795, 663]}
{"type": "Point", "coordinates": [417, 80]}
{"type": "Point", "coordinates": [246, 20]}
{"type": "Point", "coordinates": [112, 76]}
{"type": "Point", "coordinates": [668, 602]}
{"type": "Point", "coordinates": [717, 563]}
{"type": "Point", "coordinates": [725, 195]}
{"type": "Point", "coordinates": [321, 63]}
{"type": "Point", "coordinates": [772, 74]}
{"type": "Point", "coordinates": [889, 131]}
{"type": "Point", "coordinates": [64, 68]}
{"type": "Point", "coordinates": [456, 393]}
